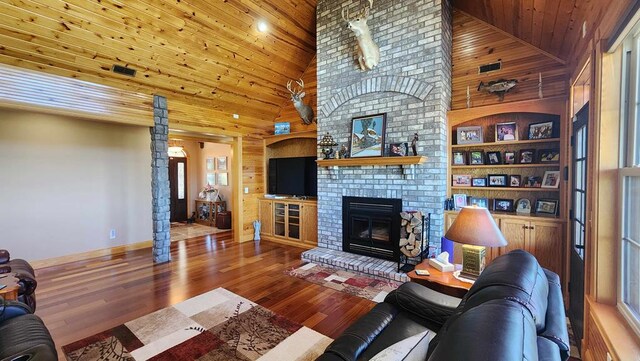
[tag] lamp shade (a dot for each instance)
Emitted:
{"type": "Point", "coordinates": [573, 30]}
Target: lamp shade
{"type": "Point", "coordinates": [475, 226]}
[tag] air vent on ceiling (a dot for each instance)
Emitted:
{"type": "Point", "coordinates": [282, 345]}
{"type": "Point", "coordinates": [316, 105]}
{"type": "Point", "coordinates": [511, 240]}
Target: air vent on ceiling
{"type": "Point", "coordinates": [489, 67]}
{"type": "Point", "coordinates": [118, 69]}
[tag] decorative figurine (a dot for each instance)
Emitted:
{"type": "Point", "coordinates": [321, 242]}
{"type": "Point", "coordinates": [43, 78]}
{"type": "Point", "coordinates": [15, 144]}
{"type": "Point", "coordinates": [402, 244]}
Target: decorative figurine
{"type": "Point", "coordinates": [414, 144]}
{"type": "Point", "coordinates": [344, 152]}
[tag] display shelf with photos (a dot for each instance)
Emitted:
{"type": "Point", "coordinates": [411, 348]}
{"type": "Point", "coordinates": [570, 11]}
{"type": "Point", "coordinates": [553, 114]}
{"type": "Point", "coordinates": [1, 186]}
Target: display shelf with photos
{"type": "Point", "coordinates": [529, 150]}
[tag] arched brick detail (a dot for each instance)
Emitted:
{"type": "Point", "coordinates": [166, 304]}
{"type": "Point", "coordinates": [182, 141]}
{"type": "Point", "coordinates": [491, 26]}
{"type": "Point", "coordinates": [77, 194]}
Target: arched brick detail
{"type": "Point", "coordinates": [380, 84]}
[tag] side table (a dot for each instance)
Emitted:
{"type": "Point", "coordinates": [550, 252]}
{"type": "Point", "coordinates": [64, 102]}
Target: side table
{"type": "Point", "coordinates": [10, 292]}
{"type": "Point", "coordinates": [443, 282]}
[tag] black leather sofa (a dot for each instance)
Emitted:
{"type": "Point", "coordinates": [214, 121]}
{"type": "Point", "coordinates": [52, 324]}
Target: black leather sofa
{"type": "Point", "coordinates": [25, 274]}
{"type": "Point", "coordinates": [514, 311]}
{"type": "Point", "coordinates": [23, 335]}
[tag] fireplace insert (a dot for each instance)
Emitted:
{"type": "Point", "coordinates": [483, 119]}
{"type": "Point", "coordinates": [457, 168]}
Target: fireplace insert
{"type": "Point", "coordinates": [371, 226]}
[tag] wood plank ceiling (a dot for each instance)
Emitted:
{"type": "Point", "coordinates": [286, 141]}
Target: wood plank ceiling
{"type": "Point", "coordinates": [554, 26]}
{"type": "Point", "coordinates": [199, 53]}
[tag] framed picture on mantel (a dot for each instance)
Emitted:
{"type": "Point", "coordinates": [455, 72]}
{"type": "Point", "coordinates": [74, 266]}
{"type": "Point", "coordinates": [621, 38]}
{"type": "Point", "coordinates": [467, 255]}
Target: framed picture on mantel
{"type": "Point", "coordinates": [367, 135]}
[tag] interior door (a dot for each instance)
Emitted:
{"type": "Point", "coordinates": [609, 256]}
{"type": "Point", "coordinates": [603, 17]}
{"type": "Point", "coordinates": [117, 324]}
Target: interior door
{"type": "Point", "coordinates": [577, 219]}
{"type": "Point", "coordinates": [178, 188]}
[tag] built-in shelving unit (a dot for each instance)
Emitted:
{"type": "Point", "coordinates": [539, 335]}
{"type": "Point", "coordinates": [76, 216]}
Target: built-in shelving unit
{"type": "Point", "coordinates": [541, 234]}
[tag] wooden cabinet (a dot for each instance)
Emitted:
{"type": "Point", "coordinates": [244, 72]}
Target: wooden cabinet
{"type": "Point", "coordinates": [539, 236]}
{"type": "Point", "coordinates": [289, 221]}
{"type": "Point", "coordinates": [206, 211]}
{"type": "Point", "coordinates": [266, 217]}
{"type": "Point", "coordinates": [310, 223]}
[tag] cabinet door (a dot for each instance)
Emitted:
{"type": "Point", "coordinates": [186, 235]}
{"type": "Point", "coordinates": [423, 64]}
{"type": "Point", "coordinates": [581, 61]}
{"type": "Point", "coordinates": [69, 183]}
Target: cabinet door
{"type": "Point", "coordinates": [279, 219]}
{"type": "Point", "coordinates": [309, 223]}
{"type": "Point", "coordinates": [546, 244]}
{"type": "Point", "coordinates": [516, 232]}
{"type": "Point", "coordinates": [266, 217]}
{"type": "Point", "coordinates": [293, 221]}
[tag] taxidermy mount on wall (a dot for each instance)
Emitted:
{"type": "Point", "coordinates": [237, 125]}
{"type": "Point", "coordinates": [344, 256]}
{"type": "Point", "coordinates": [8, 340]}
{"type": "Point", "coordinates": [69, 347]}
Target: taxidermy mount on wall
{"type": "Point", "coordinates": [304, 110]}
{"type": "Point", "coordinates": [498, 87]}
{"type": "Point", "coordinates": [368, 51]}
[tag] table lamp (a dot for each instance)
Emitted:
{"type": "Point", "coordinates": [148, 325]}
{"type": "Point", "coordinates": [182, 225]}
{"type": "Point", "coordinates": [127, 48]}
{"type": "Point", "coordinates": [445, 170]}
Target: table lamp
{"type": "Point", "coordinates": [475, 228]}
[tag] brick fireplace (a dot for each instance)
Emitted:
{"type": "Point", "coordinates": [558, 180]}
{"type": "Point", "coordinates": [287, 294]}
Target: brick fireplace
{"type": "Point", "coordinates": [412, 85]}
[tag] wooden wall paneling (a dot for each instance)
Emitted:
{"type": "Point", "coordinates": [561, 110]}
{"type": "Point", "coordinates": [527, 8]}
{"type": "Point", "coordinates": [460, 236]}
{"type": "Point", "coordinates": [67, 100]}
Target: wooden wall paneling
{"type": "Point", "coordinates": [555, 26]}
{"type": "Point", "coordinates": [253, 174]}
{"type": "Point", "coordinates": [288, 112]}
{"type": "Point", "coordinates": [476, 43]}
{"type": "Point", "coordinates": [34, 91]}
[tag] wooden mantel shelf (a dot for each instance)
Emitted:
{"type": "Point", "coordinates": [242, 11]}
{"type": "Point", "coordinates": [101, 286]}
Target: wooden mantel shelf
{"type": "Point", "coordinates": [350, 162]}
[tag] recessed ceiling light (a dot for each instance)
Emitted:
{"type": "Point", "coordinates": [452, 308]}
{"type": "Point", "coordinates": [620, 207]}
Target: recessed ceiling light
{"type": "Point", "coordinates": [262, 26]}
{"type": "Point", "coordinates": [236, 116]}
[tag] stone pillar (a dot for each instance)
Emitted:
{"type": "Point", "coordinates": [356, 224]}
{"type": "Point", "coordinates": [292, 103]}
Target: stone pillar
{"type": "Point", "coordinates": [160, 180]}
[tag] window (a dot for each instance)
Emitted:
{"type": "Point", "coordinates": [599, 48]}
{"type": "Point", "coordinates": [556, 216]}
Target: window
{"type": "Point", "coordinates": [629, 174]}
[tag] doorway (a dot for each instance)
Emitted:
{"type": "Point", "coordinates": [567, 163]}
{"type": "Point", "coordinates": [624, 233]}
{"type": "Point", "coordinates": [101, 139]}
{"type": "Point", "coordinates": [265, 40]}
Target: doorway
{"type": "Point", "coordinates": [577, 219]}
{"type": "Point", "coordinates": [178, 189]}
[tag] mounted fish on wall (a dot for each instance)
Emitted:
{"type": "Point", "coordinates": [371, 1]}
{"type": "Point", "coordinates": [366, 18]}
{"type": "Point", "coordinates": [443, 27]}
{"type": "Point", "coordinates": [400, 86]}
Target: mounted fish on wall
{"type": "Point", "coordinates": [498, 87]}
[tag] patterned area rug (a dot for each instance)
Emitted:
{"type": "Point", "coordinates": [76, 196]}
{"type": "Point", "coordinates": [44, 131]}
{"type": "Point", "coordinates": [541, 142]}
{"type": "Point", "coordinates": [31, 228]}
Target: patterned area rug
{"type": "Point", "coordinates": [215, 326]}
{"type": "Point", "coordinates": [344, 281]}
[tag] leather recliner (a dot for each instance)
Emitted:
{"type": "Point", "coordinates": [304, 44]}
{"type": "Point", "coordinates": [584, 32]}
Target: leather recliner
{"type": "Point", "coordinates": [25, 274]}
{"type": "Point", "coordinates": [23, 335]}
{"type": "Point", "coordinates": [514, 311]}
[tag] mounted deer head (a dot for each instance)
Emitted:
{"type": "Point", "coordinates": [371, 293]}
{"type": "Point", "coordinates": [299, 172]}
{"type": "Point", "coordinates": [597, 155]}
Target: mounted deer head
{"type": "Point", "coordinates": [304, 110]}
{"type": "Point", "coordinates": [368, 51]}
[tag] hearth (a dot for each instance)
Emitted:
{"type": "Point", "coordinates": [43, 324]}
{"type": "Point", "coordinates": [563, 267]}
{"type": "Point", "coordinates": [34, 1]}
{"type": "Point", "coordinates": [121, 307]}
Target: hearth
{"type": "Point", "coordinates": [371, 226]}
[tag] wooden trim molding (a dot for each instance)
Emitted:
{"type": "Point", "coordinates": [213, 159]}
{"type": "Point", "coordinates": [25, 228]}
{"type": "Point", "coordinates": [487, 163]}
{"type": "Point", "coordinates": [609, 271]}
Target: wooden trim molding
{"type": "Point", "coordinates": [57, 261]}
{"type": "Point", "coordinates": [269, 140]}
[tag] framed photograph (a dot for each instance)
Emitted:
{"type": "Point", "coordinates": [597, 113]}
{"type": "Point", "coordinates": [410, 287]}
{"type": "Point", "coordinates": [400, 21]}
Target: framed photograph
{"type": "Point", "coordinates": [547, 206]}
{"type": "Point", "coordinates": [533, 182]}
{"type": "Point", "coordinates": [211, 164]}
{"type": "Point", "coordinates": [476, 157]}
{"type": "Point", "coordinates": [551, 179]}
{"type": "Point", "coordinates": [222, 163]}
{"type": "Point", "coordinates": [459, 201]}
{"type": "Point", "coordinates": [527, 156]}
{"type": "Point", "coordinates": [494, 157]}
{"type": "Point", "coordinates": [515, 181]}
{"type": "Point", "coordinates": [478, 182]}
{"type": "Point", "coordinates": [542, 130]}
{"type": "Point", "coordinates": [506, 132]}
{"type": "Point", "coordinates": [282, 128]}
{"type": "Point", "coordinates": [523, 205]}
{"type": "Point", "coordinates": [503, 205]}
{"type": "Point", "coordinates": [461, 180]}
{"type": "Point", "coordinates": [398, 149]}
{"type": "Point", "coordinates": [470, 135]}
{"type": "Point", "coordinates": [509, 157]}
{"type": "Point", "coordinates": [211, 179]}
{"type": "Point", "coordinates": [458, 158]}
{"type": "Point", "coordinates": [498, 180]}
{"type": "Point", "coordinates": [222, 179]}
{"type": "Point", "coordinates": [479, 201]}
{"type": "Point", "coordinates": [549, 156]}
{"type": "Point", "coordinates": [367, 136]}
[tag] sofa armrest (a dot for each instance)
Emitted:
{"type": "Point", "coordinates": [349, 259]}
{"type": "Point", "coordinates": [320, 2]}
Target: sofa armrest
{"type": "Point", "coordinates": [357, 337]}
{"type": "Point", "coordinates": [4, 256]}
{"type": "Point", "coordinates": [555, 320]}
{"type": "Point", "coordinates": [11, 309]}
{"type": "Point", "coordinates": [423, 302]}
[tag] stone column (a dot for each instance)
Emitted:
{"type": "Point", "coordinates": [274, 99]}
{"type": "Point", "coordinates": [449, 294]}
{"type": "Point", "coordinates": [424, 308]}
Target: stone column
{"type": "Point", "coordinates": [160, 180]}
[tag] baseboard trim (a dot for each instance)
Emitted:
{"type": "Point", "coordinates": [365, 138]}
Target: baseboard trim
{"type": "Point", "coordinates": [57, 261]}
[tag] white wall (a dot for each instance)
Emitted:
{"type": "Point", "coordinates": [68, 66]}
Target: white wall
{"type": "Point", "coordinates": [213, 150]}
{"type": "Point", "coordinates": [193, 173]}
{"type": "Point", "coordinates": [64, 183]}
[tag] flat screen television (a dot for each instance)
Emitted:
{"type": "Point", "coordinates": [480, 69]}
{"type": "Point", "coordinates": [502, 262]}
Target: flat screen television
{"type": "Point", "coordinates": [293, 176]}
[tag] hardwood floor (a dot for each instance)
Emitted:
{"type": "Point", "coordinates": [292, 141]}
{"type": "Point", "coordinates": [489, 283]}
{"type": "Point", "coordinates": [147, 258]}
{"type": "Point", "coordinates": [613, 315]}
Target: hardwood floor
{"type": "Point", "coordinates": [80, 299]}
